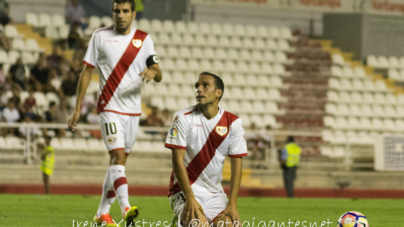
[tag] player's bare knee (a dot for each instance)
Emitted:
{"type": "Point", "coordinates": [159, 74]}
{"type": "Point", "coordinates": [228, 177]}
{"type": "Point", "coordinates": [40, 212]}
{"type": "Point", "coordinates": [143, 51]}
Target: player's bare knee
{"type": "Point", "coordinates": [224, 221]}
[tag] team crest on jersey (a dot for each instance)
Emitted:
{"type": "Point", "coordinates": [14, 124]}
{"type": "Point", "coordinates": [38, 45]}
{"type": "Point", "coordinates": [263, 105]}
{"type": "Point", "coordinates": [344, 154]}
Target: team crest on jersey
{"type": "Point", "coordinates": [112, 140]}
{"type": "Point", "coordinates": [221, 130]}
{"type": "Point", "coordinates": [137, 43]}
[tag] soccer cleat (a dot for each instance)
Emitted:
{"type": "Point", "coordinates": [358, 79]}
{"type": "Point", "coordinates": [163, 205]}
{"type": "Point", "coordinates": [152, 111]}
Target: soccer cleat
{"type": "Point", "coordinates": [130, 215]}
{"type": "Point", "coordinates": [105, 218]}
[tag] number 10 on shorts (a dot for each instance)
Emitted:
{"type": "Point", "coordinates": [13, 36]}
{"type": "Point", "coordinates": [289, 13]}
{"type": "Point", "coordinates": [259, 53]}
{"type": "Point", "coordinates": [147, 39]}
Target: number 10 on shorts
{"type": "Point", "coordinates": [112, 128]}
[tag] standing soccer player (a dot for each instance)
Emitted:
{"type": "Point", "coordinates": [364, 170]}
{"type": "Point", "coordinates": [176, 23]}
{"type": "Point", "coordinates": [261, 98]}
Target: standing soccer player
{"type": "Point", "coordinates": [126, 59]}
{"type": "Point", "coordinates": [200, 138]}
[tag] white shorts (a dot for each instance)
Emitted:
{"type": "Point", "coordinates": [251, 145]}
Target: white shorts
{"type": "Point", "coordinates": [118, 131]}
{"type": "Point", "coordinates": [212, 204]}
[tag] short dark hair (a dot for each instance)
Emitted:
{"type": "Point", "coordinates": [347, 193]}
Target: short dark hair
{"type": "Point", "coordinates": [290, 139]}
{"type": "Point", "coordinates": [131, 2]}
{"type": "Point", "coordinates": [218, 81]}
{"type": "Point", "coordinates": [51, 104]}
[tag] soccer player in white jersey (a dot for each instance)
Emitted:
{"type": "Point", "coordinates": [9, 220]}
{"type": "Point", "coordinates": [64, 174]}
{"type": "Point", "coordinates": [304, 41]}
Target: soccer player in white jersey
{"type": "Point", "coordinates": [126, 59]}
{"type": "Point", "coordinates": [200, 138]}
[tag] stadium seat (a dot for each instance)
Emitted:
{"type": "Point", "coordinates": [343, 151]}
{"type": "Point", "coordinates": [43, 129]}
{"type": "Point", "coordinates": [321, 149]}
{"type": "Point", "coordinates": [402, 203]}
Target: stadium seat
{"type": "Point", "coordinates": [221, 54]}
{"type": "Point", "coordinates": [251, 30]}
{"type": "Point", "coordinates": [176, 39]}
{"type": "Point", "coordinates": [336, 71]}
{"type": "Point", "coordinates": [216, 29]}
{"type": "Point", "coordinates": [235, 42]}
{"type": "Point", "coordinates": [339, 137]}
{"type": "Point", "coordinates": [18, 44]}
{"type": "Point", "coordinates": [247, 43]}
{"type": "Point", "coordinates": [337, 59]}
{"type": "Point", "coordinates": [11, 31]}
{"type": "Point", "coordinates": [233, 106]}
{"type": "Point", "coordinates": [232, 54]}
{"type": "Point", "coordinates": [161, 51]}
{"type": "Point", "coordinates": [205, 64]}
{"type": "Point", "coordinates": [182, 103]}
{"type": "Point", "coordinates": [359, 71]}
{"type": "Point", "coordinates": [174, 90]}
{"type": "Point", "coordinates": [393, 62]}
{"type": "Point", "coordinates": [94, 22]}
{"type": "Point", "coordinates": [246, 107]}
{"type": "Point", "coordinates": [389, 125]}
{"type": "Point", "coordinates": [332, 96]}
{"type": "Point", "coordinates": [380, 85]}
{"type": "Point", "coordinates": [390, 111]}
{"type": "Point", "coordinates": [256, 55]}
{"type": "Point", "coordinates": [180, 27]}
{"type": "Point", "coordinates": [383, 62]}
{"type": "Point", "coordinates": [64, 32]}
{"type": "Point", "coordinates": [172, 52]}
{"type": "Point", "coordinates": [256, 119]}
{"type": "Point", "coordinates": [258, 107]}
{"type": "Point", "coordinates": [376, 124]}
{"type": "Point", "coordinates": [273, 32]}
{"type": "Point", "coordinates": [393, 74]}
{"type": "Point", "coordinates": [236, 93]}
{"type": "Point", "coordinates": [364, 123]}
{"type": "Point", "coordinates": [158, 101]}
{"type": "Point", "coordinates": [338, 152]}
{"type": "Point", "coordinates": [3, 58]}
{"type": "Point", "coordinates": [262, 31]}
{"type": "Point", "coordinates": [371, 60]}
{"type": "Point", "coordinates": [271, 121]}
{"type": "Point", "coordinates": [51, 96]}
{"type": "Point", "coordinates": [343, 110]}
{"type": "Point", "coordinates": [204, 28]}
{"type": "Point", "coordinates": [171, 103]}
{"type": "Point", "coordinates": [31, 19]}
{"type": "Point", "coordinates": [44, 20]}
{"type": "Point", "coordinates": [377, 111]}
{"type": "Point", "coordinates": [27, 58]}
{"type": "Point", "coordinates": [58, 20]}
{"type": "Point", "coordinates": [271, 45]}
{"type": "Point", "coordinates": [259, 44]}
{"type": "Point", "coordinates": [156, 25]}
{"type": "Point", "coordinates": [345, 97]}
{"type": "Point", "coordinates": [286, 33]}
{"type": "Point", "coordinates": [95, 145]}
{"type": "Point", "coordinates": [52, 33]}
{"type": "Point", "coordinates": [144, 25]}
{"type": "Point", "coordinates": [12, 56]}
{"type": "Point", "coordinates": [81, 144]}
{"type": "Point", "coordinates": [245, 119]}
{"type": "Point", "coordinates": [244, 55]}
{"type": "Point", "coordinates": [239, 30]}
{"type": "Point", "coordinates": [32, 45]}
{"type": "Point", "coordinates": [227, 29]}
{"type": "Point", "coordinates": [345, 84]}
{"type": "Point", "coordinates": [67, 144]}
{"type": "Point", "coordinates": [283, 45]}
{"type": "Point", "coordinates": [106, 21]}
{"type": "Point", "coordinates": [163, 39]}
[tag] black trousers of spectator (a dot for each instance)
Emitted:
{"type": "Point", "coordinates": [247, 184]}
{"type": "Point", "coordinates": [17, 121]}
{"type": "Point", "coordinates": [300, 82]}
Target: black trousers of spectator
{"type": "Point", "coordinates": [289, 175]}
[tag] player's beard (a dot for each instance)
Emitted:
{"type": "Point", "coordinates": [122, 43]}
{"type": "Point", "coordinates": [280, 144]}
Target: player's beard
{"type": "Point", "coordinates": [122, 30]}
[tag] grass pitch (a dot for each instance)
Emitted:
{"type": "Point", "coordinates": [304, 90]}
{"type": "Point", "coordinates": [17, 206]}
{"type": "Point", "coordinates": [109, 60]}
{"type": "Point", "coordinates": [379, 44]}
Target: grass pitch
{"type": "Point", "coordinates": [73, 210]}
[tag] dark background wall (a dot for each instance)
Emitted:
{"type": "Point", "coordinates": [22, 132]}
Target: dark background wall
{"type": "Point", "coordinates": [365, 34]}
{"type": "Point", "coordinates": [154, 9]}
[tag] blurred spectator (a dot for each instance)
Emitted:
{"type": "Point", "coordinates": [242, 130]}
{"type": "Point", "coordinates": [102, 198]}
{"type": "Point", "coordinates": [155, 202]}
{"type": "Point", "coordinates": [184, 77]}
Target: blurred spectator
{"type": "Point", "coordinates": [17, 74]}
{"type": "Point", "coordinates": [3, 98]}
{"type": "Point", "coordinates": [69, 86]}
{"type": "Point", "coordinates": [16, 98]}
{"type": "Point", "coordinates": [30, 101]}
{"type": "Point", "coordinates": [61, 116]}
{"type": "Point", "coordinates": [76, 13]}
{"type": "Point", "coordinates": [153, 119]}
{"type": "Point", "coordinates": [4, 13]}
{"type": "Point", "coordinates": [167, 118]}
{"type": "Point", "coordinates": [40, 75]}
{"type": "Point", "coordinates": [55, 60]}
{"type": "Point", "coordinates": [10, 115]}
{"type": "Point", "coordinates": [255, 144]}
{"type": "Point", "coordinates": [4, 41]}
{"type": "Point", "coordinates": [50, 114]}
{"type": "Point", "coordinates": [23, 129]}
{"type": "Point", "coordinates": [94, 119]}
{"type": "Point", "coordinates": [139, 8]}
{"type": "Point", "coordinates": [30, 113]}
{"type": "Point", "coordinates": [2, 76]}
{"type": "Point", "coordinates": [74, 39]}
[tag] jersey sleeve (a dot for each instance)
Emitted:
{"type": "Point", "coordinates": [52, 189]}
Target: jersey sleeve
{"type": "Point", "coordinates": [149, 46]}
{"type": "Point", "coordinates": [238, 145]}
{"type": "Point", "coordinates": [90, 59]}
{"type": "Point", "coordinates": [177, 136]}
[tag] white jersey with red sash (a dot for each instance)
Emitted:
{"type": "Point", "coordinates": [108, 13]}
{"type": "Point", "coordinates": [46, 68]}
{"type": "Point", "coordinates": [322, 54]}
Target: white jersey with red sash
{"type": "Point", "coordinates": [207, 143]}
{"type": "Point", "coordinates": [120, 59]}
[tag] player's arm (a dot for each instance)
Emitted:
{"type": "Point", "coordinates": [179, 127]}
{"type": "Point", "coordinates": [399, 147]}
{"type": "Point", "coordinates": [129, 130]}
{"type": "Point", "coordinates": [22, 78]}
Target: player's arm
{"type": "Point", "coordinates": [192, 208]}
{"type": "Point", "coordinates": [152, 72]}
{"type": "Point", "coordinates": [82, 86]}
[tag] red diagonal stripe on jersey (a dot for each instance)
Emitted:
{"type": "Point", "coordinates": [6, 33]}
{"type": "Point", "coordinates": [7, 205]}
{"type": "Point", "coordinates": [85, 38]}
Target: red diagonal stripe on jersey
{"type": "Point", "coordinates": [119, 71]}
{"type": "Point", "coordinates": [202, 159]}
{"type": "Point", "coordinates": [110, 194]}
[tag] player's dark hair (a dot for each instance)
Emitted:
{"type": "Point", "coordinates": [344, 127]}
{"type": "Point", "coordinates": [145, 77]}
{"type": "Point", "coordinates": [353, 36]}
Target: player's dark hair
{"type": "Point", "coordinates": [51, 104]}
{"type": "Point", "coordinates": [218, 81]}
{"type": "Point", "coordinates": [131, 2]}
{"type": "Point", "coordinates": [290, 139]}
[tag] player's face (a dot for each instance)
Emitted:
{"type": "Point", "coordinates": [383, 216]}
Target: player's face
{"type": "Point", "coordinates": [123, 16]}
{"type": "Point", "coordinates": [205, 90]}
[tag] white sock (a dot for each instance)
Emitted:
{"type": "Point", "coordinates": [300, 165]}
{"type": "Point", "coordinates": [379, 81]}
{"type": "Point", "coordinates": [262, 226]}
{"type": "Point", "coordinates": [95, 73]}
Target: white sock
{"type": "Point", "coordinates": [108, 196]}
{"type": "Point", "coordinates": [118, 180]}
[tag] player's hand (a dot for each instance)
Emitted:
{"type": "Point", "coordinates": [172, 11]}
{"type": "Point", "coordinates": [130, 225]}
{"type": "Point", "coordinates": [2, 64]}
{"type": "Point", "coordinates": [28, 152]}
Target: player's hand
{"type": "Point", "coordinates": [231, 212]}
{"type": "Point", "coordinates": [148, 74]}
{"type": "Point", "coordinates": [73, 120]}
{"type": "Point", "coordinates": [193, 210]}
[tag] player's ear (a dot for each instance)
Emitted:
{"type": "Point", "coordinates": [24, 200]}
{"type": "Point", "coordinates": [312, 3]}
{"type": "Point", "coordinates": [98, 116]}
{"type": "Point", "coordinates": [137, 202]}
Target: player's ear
{"type": "Point", "coordinates": [219, 93]}
{"type": "Point", "coordinates": [133, 15]}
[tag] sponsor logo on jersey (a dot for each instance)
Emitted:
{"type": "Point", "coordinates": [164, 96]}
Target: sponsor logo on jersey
{"type": "Point", "coordinates": [112, 140]}
{"type": "Point", "coordinates": [137, 43]}
{"type": "Point", "coordinates": [221, 130]}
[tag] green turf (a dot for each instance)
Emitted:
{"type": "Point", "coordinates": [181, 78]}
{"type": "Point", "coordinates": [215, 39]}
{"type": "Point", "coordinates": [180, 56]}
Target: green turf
{"type": "Point", "coordinates": [61, 210]}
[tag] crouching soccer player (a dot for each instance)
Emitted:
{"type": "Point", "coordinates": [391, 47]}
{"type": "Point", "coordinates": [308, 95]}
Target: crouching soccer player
{"type": "Point", "coordinates": [200, 138]}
